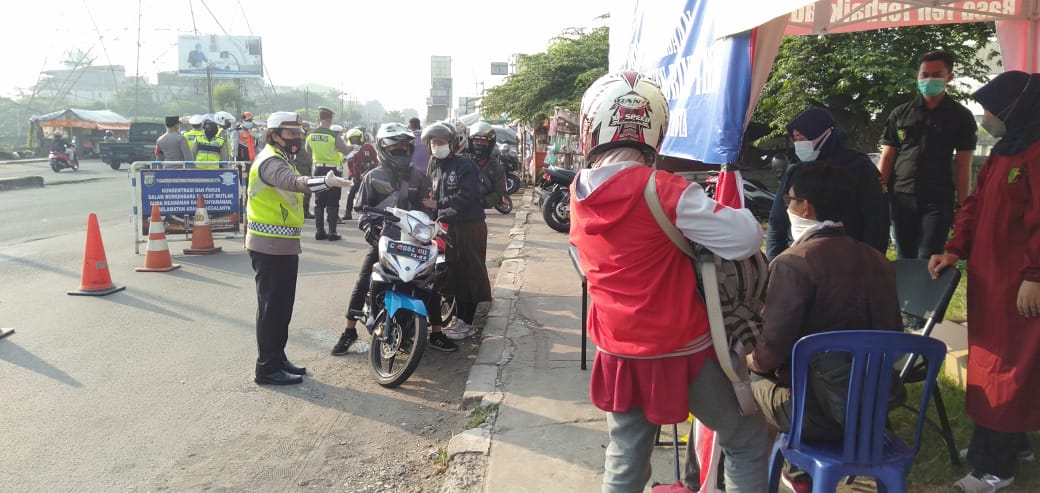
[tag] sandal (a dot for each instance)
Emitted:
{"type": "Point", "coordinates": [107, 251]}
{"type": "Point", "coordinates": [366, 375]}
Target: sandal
{"type": "Point", "coordinates": [982, 483]}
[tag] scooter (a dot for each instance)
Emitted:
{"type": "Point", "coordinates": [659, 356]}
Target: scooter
{"type": "Point", "coordinates": [554, 197]}
{"type": "Point", "coordinates": [405, 275]}
{"type": "Point", "coordinates": [64, 160]}
{"type": "Point", "coordinates": [512, 164]}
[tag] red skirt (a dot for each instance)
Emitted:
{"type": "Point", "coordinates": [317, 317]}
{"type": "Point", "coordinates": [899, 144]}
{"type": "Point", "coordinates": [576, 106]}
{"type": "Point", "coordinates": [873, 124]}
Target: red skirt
{"type": "Point", "coordinates": [659, 386]}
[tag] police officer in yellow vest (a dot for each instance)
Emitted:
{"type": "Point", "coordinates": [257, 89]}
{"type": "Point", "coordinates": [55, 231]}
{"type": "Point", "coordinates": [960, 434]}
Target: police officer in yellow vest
{"type": "Point", "coordinates": [327, 149]}
{"type": "Point", "coordinates": [275, 213]}
{"type": "Point", "coordinates": [196, 131]}
{"type": "Point", "coordinates": [210, 148]}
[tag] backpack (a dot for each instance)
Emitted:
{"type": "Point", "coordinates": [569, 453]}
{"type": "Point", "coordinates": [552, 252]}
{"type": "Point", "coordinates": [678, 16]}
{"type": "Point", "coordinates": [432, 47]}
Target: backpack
{"type": "Point", "coordinates": [733, 292]}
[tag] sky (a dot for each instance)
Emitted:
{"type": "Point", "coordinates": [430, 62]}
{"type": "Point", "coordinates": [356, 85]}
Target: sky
{"type": "Point", "coordinates": [373, 50]}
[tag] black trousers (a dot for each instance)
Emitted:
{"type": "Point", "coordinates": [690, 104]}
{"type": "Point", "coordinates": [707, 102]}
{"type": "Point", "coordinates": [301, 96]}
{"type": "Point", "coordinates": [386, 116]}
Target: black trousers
{"type": "Point", "coordinates": [995, 452]}
{"type": "Point", "coordinates": [326, 203]}
{"type": "Point", "coordinates": [921, 224]}
{"type": "Point", "coordinates": [275, 296]}
{"type": "Point", "coordinates": [364, 288]}
{"type": "Point", "coordinates": [351, 194]}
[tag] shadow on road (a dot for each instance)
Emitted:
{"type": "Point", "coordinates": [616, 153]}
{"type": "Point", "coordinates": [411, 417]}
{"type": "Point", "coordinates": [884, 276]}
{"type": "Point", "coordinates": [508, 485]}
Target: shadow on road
{"type": "Point", "coordinates": [15, 354]}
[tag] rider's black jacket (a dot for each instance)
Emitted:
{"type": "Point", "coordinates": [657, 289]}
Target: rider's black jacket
{"type": "Point", "coordinates": [386, 186]}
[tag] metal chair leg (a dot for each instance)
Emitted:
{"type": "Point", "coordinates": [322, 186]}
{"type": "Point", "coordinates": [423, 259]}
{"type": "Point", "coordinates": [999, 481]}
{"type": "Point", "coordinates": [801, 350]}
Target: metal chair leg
{"type": "Point", "coordinates": [944, 425]}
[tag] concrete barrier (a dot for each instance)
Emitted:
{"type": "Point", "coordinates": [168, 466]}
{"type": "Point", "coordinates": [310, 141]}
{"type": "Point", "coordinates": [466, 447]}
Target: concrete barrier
{"type": "Point", "coordinates": [25, 161]}
{"type": "Point", "coordinates": [21, 182]}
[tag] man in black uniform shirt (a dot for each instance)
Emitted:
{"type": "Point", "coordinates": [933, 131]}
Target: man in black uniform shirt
{"type": "Point", "coordinates": [919, 138]}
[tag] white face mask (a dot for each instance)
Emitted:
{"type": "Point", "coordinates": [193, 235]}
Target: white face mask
{"type": "Point", "coordinates": [804, 150]}
{"type": "Point", "coordinates": [800, 225]}
{"type": "Point", "coordinates": [440, 152]}
{"type": "Point", "coordinates": [993, 125]}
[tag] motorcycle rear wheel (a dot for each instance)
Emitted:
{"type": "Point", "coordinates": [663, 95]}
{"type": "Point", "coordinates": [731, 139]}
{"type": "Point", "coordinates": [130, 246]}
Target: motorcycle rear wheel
{"type": "Point", "coordinates": [506, 206]}
{"type": "Point", "coordinates": [402, 336]}
{"type": "Point", "coordinates": [512, 184]}
{"type": "Point", "coordinates": [556, 210]}
{"type": "Point", "coordinates": [55, 166]}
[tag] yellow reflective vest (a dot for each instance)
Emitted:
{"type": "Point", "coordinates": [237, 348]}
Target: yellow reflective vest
{"type": "Point", "coordinates": [191, 136]}
{"type": "Point", "coordinates": [322, 144]}
{"type": "Point", "coordinates": [271, 211]}
{"type": "Point", "coordinates": [208, 150]}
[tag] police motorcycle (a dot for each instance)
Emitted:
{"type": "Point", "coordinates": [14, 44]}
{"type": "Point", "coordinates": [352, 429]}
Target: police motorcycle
{"type": "Point", "coordinates": [64, 160]}
{"type": "Point", "coordinates": [406, 273]}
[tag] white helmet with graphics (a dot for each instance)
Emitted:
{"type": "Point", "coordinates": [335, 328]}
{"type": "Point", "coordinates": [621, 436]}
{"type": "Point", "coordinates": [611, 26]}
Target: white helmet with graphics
{"type": "Point", "coordinates": [623, 109]}
{"type": "Point", "coordinates": [223, 118]}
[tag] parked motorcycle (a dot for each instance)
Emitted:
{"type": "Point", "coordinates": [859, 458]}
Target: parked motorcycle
{"type": "Point", "coordinates": [505, 206]}
{"type": "Point", "coordinates": [555, 197]}
{"type": "Point", "coordinates": [757, 197]}
{"type": "Point", "coordinates": [64, 160]}
{"type": "Point", "coordinates": [403, 278]}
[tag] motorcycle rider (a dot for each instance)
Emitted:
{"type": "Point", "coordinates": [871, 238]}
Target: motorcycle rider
{"type": "Point", "coordinates": [327, 150]}
{"type": "Point", "coordinates": [275, 214]}
{"type": "Point", "coordinates": [59, 146]}
{"type": "Point", "coordinates": [394, 183]}
{"type": "Point", "coordinates": [359, 162]}
{"type": "Point", "coordinates": [456, 195]}
{"type": "Point", "coordinates": [225, 121]}
{"type": "Point", "coordinates": [492, 171]}
{"type": "Point", "coordinates": [210, 148]}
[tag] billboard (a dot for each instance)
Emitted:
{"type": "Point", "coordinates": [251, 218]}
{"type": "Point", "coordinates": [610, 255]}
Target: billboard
{"type": "Point", "coordinates": [229, 57]}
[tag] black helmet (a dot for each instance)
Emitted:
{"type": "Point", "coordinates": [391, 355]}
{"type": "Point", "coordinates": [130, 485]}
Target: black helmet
{"type": "Point", "coordinates": [481, 139]}
{"type": "Point", "coordinates": [443, 131]}
{"type": "Point", "coordinates": [390, 134]}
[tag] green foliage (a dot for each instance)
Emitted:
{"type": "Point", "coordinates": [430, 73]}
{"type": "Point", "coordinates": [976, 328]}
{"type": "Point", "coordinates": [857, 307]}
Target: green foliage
{"type": "Point", "coordinates": [861, 76]}
{"type": "Point", "coordinates": [557, 77]}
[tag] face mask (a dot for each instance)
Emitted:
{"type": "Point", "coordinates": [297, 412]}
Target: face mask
{"type": "Point", "coordinates": [292, 146]}
{"type": "Point", "coordinates": [994, 126]}
{"type": "Point", "coordinates": [931, 87]}
{"type": "Point", "coordinates": [440, 152]}
{"type": "Point", "coordinates": [247, 125]}
{"type": "Point", "coordinates": [800, 225]}
{"type": "Point", "coordinates": [804, 150]}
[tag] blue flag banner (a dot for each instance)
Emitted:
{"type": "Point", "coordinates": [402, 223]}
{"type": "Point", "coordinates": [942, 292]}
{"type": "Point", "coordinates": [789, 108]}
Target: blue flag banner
{"type": "Point", "coordinates": [707, 79]}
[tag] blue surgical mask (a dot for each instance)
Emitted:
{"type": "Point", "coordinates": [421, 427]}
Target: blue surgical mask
{"type": "Point", "coordinates": [931, 87]}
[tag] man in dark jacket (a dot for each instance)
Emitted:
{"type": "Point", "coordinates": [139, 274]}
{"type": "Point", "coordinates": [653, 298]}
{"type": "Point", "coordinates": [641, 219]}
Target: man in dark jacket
{"type": "Point", "coordinates": [492, 173]}
{"type": "Point", "coordinates": [826, 281]}
{"type": "Point", "coordinates": [818, 137]}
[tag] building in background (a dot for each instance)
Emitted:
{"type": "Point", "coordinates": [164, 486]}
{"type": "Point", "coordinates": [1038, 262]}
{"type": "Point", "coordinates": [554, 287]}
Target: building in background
{"type": "Point", "coordinates": [438, 104]}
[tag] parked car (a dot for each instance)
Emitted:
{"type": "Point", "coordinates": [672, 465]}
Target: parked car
{"type": "Point", "coordinates": [139, 146]}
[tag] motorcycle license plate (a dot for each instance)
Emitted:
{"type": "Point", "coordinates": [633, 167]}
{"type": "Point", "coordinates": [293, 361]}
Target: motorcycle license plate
{"type": "Point", "coordinates": [422, 254]}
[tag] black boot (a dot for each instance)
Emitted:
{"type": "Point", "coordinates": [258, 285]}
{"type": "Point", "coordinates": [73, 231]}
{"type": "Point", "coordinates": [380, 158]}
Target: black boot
{"type": "Point", "coordinates": [319, 225]}
{"type": "Point", "coordinates": [332, 225]}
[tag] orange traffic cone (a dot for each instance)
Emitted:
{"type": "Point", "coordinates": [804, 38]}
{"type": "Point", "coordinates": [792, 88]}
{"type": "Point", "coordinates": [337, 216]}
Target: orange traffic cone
{"type": "Point", "coordinates": [158, 257]}
{"type": "Point", "coordinates": [95, 280]}
{"type": "Point", "coordinates": [201, 231]}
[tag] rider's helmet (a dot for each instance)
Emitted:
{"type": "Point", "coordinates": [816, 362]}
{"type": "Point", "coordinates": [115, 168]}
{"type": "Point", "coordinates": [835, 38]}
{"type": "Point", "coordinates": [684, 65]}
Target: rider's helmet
{"type": "Point", "coordinates": [443, 131]}
{"type": "Point", "coordinates": [395, 145]}
{"type": "Point", "coordinates": [336, 129]}
{"type": "Point", "coordinates": [223, 118]}
{"type": "Point", "coordinates": [623, 109]}
{"type": "Point", "coordinates": [481, 139]}
{"type": "Point", "coordinates": [356, 136]}
{"type": "Point", "coordinates": [57, 134]}
{"type": "Point", "coordinates": [461, 136]}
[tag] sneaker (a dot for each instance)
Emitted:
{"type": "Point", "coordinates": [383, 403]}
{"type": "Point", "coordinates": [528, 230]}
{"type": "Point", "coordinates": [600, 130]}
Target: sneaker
{"type": "Point", "coordinates": [671, 488]}
{"type": "Point", "coordinates": [1023, 456]}
{"type": "Point", "coordinates": [440, 342]}
{"type": "Point", "coordinates": [346, 340]}
{"type": "Point", "coordinates": [799, 484]}
{"type": "Point", "coordinates": [982, 483]}
{"type": "Point", "coordinates": [458, 330]}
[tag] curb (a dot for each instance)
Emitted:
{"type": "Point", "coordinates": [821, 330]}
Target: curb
{"type": "Point", "coordinates": [25, 161]}
{"type": "Point", "coordinates": [21, 182]}
{"type": "Point", "coordinates": [482, 385]}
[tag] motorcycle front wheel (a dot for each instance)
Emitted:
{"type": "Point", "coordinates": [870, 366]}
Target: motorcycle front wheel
{"type": "Point", "coordinates": [397, 347]}
{"type": "Point", "coordinates": [556, 210]}
{"type": "Point", "coordinates": [506, 206]}
{"type": "Point", "coordinates": [55, 166]}
{"type": "Point", "coordinates": [512, 183]}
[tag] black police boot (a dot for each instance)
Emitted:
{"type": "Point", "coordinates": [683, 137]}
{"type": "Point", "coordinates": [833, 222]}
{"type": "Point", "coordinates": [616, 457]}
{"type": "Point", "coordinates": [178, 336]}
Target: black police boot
{"type": "Point", "coordinates": [319, 225]}
{"type": "Point", "coordinates": [332, 225]}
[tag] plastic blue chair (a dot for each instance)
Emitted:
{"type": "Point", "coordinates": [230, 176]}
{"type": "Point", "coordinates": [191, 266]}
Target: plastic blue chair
{"type": "Point", "coordinates": [868, 448]}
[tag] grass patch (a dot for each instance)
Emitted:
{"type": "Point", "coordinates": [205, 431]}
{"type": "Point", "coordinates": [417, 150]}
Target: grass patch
{"type": "Point", "coordinates": [481, 414]}
{"type": "Point", "coordinates": [440, 461]}
{"type": "Point", "coordinates": [932, 470]}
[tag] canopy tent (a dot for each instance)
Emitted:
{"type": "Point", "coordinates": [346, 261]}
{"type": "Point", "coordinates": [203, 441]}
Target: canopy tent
{"type": "Point", "coordinates": [88, 119]}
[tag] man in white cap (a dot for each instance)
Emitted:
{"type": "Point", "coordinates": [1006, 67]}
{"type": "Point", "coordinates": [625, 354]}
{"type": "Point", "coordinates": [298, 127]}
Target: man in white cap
{"type": "Point", "coordinates": [275, 213]}
{"type": "Point", "coordinates": [172, 146]}
{"type": "Point", "coordinates": [194, 133]}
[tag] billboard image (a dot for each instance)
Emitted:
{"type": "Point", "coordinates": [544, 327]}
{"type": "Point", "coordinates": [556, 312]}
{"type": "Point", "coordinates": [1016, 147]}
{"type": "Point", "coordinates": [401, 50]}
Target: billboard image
{"type": "Point", "coordinates": [229, 57]}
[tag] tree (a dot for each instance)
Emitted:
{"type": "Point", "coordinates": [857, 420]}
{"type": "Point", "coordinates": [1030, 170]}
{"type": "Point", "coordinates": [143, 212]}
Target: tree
{"type": "Point", "coordinates": [228, 97]}
{"type": "Point", "coordinates": [557, 77]}
{"type": "Point", "coordinates": [861, 76]}
{"type": "Point", "coordinates": [395, 116]}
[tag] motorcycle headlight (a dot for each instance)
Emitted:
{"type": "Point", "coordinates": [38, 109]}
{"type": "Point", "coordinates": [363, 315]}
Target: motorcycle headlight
{"type": "Point", "coordinates": [421, 231]}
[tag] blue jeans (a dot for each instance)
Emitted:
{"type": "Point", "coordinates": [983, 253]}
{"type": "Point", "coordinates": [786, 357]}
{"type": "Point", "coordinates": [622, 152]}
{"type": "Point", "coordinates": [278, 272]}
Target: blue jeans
{"type": "Point", "coordinates": [744, 440]}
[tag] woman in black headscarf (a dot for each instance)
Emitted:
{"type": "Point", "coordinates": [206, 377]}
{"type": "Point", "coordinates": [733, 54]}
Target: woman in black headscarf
{"type": "Point", "coordinates": [817, 137]}
{"type": "Point", "coordinates": [998, 231]}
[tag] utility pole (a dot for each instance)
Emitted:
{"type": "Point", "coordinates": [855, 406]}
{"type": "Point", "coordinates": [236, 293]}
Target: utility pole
{"type": "Point", "coordinates": [209, 84]}
{"type": "Point", "coordinates": [306, 102]}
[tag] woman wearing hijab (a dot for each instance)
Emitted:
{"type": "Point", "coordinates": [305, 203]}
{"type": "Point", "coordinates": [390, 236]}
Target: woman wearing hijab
{"type": "Point", "coordinates": [997, 230]}
{"type": "Point", "coordinates": [817, 137]}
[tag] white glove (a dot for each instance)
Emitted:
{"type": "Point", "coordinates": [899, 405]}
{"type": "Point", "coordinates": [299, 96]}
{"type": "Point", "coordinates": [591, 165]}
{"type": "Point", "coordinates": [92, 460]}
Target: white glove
{"type": "Point", "coordinates": [335, 181]}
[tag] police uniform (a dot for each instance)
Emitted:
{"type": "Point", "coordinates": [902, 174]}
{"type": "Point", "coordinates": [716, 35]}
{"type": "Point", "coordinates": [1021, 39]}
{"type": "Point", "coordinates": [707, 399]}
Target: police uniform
{"type": "Point", "coordinates": [171, 146]}
{"type": "Point", "coordinates": [325, 156]}
{"type": "Point", "coordinates": [209, 152]}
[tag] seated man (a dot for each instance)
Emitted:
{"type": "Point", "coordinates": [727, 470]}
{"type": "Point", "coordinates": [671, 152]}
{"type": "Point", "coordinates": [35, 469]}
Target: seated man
{"type": "Point", "coordinates": [825, 281]}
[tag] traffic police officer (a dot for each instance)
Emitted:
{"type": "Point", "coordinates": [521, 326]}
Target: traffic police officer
{"type": "Point", "coordinates": [210, 148]}
{"type": "Point", "coordinates": [326, 149]}
{"type": "Point", "coordinates": [275, 213]}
